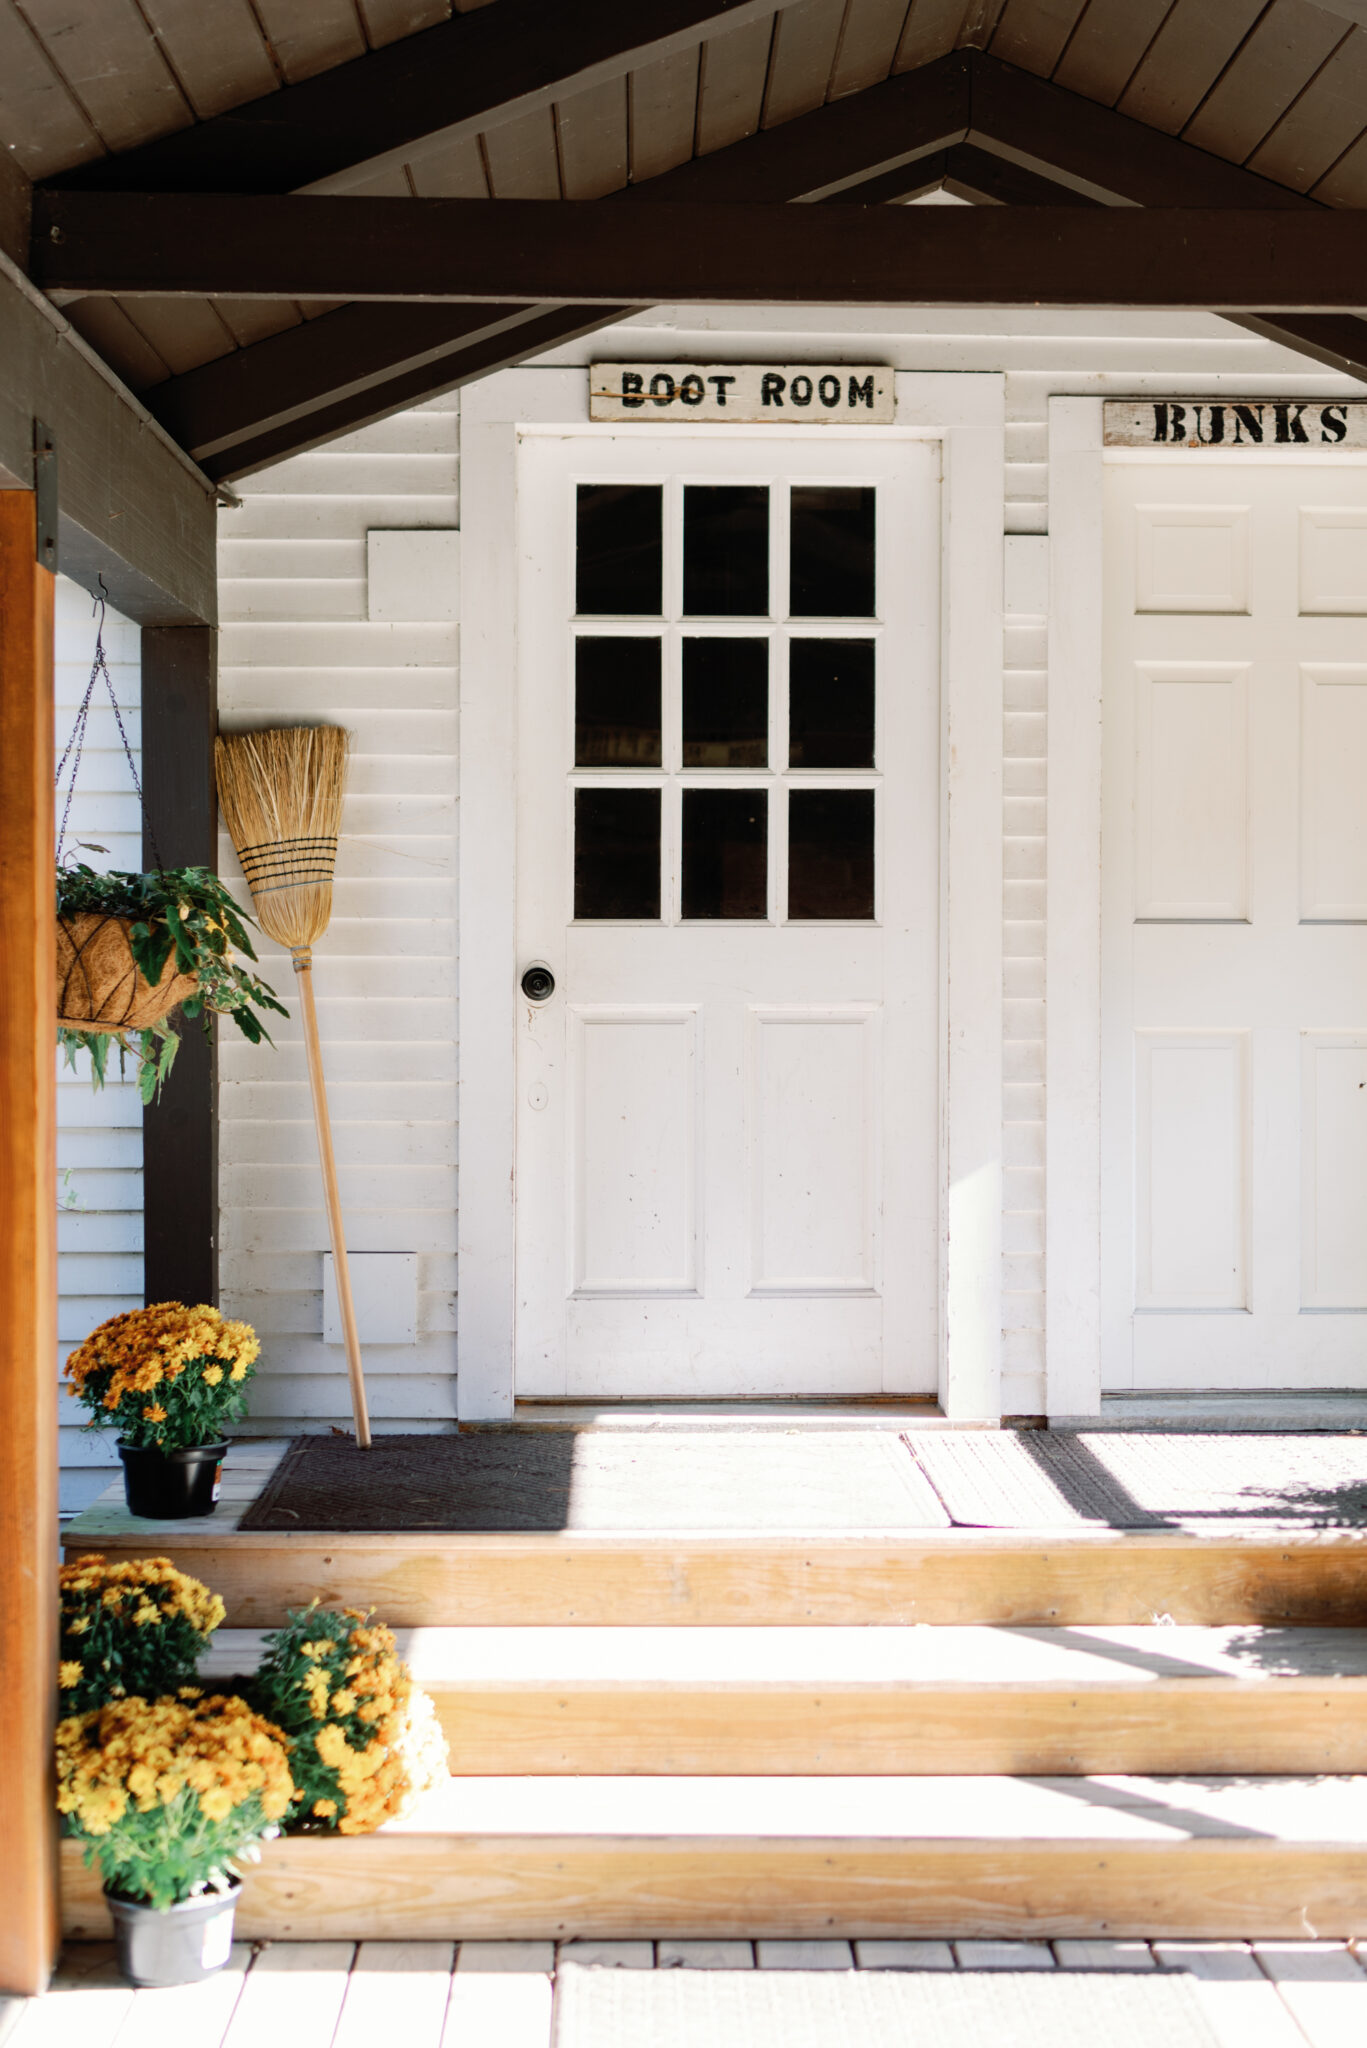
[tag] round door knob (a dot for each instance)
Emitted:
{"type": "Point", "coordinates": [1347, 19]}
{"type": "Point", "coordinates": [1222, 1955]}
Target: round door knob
{"type": "Point", "coordinates": [537, 984]}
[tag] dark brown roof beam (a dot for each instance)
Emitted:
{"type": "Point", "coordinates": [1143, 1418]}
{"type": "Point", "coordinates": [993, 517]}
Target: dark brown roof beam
{"type": "Point", "coordinates": [466, 74]}
{"type": "Point", "coordinates": [535, 251]}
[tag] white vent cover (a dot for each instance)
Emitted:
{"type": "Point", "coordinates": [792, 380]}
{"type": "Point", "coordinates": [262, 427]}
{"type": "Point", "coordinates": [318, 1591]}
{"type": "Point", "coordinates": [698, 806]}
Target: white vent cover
{"type": "Point", "coordinates": [384, 1287]}
{"type": "Point", "coordinates": [413, 572]}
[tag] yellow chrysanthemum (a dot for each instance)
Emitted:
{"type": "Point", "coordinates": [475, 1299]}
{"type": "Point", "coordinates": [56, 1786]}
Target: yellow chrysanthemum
{"type": "Point", "coordinates": [68, 1674]}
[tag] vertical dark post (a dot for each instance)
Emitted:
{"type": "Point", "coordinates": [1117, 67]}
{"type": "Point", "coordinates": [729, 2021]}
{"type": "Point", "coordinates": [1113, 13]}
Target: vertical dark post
{"type": "Point", "coordinates": [180, 1132]}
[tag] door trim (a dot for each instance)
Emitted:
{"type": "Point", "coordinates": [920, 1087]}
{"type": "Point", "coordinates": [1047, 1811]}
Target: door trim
{"type": "Point", "coordinates": [965, 413]}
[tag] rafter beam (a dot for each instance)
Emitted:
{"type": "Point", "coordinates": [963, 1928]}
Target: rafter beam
{"type": "Point", "coordinates": [473, 72]}
{"type": "Point", "coordinates": [530, 251]}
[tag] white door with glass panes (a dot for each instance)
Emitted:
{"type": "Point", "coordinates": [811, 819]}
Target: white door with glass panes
{"type": "Point", "coordinates": [727, 885]}
{"type": "Point", "coordinates": [1234, 938]}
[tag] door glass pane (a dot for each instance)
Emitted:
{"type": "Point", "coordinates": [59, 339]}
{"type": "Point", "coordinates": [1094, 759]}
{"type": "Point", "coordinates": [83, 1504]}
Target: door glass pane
{"type": "Point", "coordinates": [725, 852]}
{"type": "Point", "coordinates": [830, 703]}
{"type": "Point", "coordinates": [726, 550]}
{"type": "Point", "coordinates": [830, 853]}
{"type": "Point", "coordinates": [616, 703]}
{"type": "Point", "coordinates": [619, 549]}
{"type": "Point", "coordinates": [726, 703]}
{"type": "Point", "coordinates": [832, 538]}
{"type": "Point", "coordinates": [617, 853]}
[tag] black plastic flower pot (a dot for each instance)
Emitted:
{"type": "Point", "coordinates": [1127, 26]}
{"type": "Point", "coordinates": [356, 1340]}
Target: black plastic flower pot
{"type": "Point", "coordinates": [173, 1944]}
{"type": "Point", "coordinates": [169, 1486]}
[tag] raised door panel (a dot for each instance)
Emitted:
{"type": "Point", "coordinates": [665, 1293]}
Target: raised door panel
{"type": "Point", "coordinates": [1334, 1170]}
{"type": "Point", "coordinates": [815, 1113]}
{"type": "Point", "coordinates": [1191, 1193]}
{"type": "Point", "coordinates": [1191, 791]}
{"type": "Point", "coordinates": [1333, 781]}
{"type": "Point", "coordinates": [1333, 560]}
{"type": "Point", "coordinates": [1191, 558]}
{"type": "Point", "coordinates": [635, 1093]}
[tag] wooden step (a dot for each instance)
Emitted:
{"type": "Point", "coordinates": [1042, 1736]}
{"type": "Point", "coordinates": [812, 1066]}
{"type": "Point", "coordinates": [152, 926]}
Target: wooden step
{"type": "Point", "coordinates": [502, 1858]}
{"type": "Point", "coordinates": [878, 1700]}
{"type": "Point", "coordinates": [1075, 1577]}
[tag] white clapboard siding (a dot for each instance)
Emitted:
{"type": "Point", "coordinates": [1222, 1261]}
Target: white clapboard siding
{"type": "Point", "coordinates": [297, 646]}
{"type": "Point", "coordinates": [99, 1136]}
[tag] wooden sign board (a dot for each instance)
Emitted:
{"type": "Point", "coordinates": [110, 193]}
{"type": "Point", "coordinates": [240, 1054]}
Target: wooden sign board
{"type": "Point", "coordinates": [1227, 423]}
{"type": "Point", "coordinates": [744, 394]}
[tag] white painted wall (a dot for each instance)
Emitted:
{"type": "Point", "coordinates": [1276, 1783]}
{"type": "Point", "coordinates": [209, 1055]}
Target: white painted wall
{"type": "Point", "coordinates": [297, 646]}
{"type": "Point", "coordinates": [99, 1136]}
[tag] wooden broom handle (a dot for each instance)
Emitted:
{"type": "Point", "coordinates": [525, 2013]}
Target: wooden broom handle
{"type": "Point", "coordinates": [303, 967]}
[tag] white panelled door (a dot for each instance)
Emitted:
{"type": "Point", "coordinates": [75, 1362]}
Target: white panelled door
{"type": "Point", "coordinates": [1234, 950]}
{"type": "Point", "coordinates": [728, 832]}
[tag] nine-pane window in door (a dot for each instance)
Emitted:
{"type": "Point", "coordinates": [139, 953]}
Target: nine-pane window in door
{"type": "Point", "coordinates": [724, 738]}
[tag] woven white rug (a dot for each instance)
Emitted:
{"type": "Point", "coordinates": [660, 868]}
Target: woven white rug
{"type": "Point", "coordinates": [603, 2008]}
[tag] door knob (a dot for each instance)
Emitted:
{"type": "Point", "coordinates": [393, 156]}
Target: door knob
{"type": "Point", "coordinates": [538, 984]}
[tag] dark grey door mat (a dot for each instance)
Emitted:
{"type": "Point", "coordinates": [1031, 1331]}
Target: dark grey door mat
{"type": "Point", "coordinates": [1030, 1479]}
{"type": "Point", "coordinates": [502, 1480]}
{"type": "Point", "coordinates": [598, 2008]}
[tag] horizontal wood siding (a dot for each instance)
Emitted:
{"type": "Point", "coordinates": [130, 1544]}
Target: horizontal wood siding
{"type": "Point", "coordinates": [297, 647]}
{"type": "Point", "coordinates": [99, 1136]}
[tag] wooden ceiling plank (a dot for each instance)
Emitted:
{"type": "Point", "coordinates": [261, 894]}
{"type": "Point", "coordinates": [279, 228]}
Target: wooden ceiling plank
{"type": "Point", "coordinates": [1185, 58]}
{"type": "Point", "coordinates": [1104, 154]}
{"type": "Point", "coordinates": [522, 158]}
{"type": "Point", "coordinates": [869, 42]}
{"type": "Point", "coordinates": [1280, 57]}
{"type": "Point", "coordinates": [454, 170]}
{"type": "Point", "coordinates": [250, 320]}
{"type": "Point", "coordinates": [932, 30]}
{"type": "Point", "coordinates": [732, 74]}
{"type": "Point", "coordinates": [1305, 260]}
{"type": "Point", "coordinates": [464, 76]}
{"type": "Point", "coordinates": [662, 101]}
{"type": "Point", "coordinates": [592, 128]}
{"type": "Point", "coordinates": [43, 123]}
{"type": "Point", "coordinates": [1325, 121]}
{"type": "Point", "coordinates": [980, 23]}
{"type": "Point", "coordinates": [1107, 46]}
{"type": "Point", "coordinates": [311, 36]}
{"type": "Point", "coordinates": [217, 52]}
{"type": "Point", "coordinates": [108, 329]}
{"type": "Point", "coordinates": [185, 332]}
{"type": "Point", "coordinates": [1345, 182]}
{"type": "Point", "coordinates": [1034, 33]}
{"type": "Point", "coordinates": [113, 67]}
{"type": "Point", "coordinates": [806, 37]}
{"type": "Point", "coordinates": [387, 20]}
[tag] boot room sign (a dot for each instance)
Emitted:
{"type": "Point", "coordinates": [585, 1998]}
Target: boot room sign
{"type": "Point", "coordinates": [744, 394]}
{"type": "Point", "coordinates": [1226, 423]}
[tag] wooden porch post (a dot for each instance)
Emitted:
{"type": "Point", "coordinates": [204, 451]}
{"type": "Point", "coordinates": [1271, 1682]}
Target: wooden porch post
{"type": "Point", "coordinates": [180, 1132]}
{"type": "Point", "coordinates": [28, 1256]}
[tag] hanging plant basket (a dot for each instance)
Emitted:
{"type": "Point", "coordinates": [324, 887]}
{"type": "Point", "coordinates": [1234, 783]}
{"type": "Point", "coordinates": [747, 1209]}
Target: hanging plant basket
{"type": "Point", "coordinates": [100, 987]}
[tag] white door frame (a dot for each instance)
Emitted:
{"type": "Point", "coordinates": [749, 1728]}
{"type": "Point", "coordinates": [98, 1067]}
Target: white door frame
{"type": "Point", "coordinates": [966, 414]}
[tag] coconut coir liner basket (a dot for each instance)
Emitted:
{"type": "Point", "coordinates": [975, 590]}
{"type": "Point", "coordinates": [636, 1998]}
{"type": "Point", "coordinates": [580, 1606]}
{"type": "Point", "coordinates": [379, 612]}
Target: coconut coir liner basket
{"type": "Point", "coordinates": [99, 985]}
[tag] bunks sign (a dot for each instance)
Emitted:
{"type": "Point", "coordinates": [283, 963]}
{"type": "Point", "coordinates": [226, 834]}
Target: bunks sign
{"type": "Point", "coordinates": [744, 394]}
{"type": "Point", "coordinates": [1227, 423]}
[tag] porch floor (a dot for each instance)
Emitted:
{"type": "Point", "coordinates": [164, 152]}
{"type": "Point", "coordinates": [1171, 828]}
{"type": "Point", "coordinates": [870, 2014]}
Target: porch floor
{"type": "Point", "coordinates": [441, 1994]}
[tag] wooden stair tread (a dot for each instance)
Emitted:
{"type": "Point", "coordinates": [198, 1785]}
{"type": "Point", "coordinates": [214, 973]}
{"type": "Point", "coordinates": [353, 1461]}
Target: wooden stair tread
{"type": "Point", "coordinates": [551, 1659]}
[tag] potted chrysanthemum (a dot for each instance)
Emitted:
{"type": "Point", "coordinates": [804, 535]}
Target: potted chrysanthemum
{"type": "Point", "coordinates": [170, 1378]}
{"type": "Point", "coordinates": [169, 1796]}
{"type": "Point", "coordinates": [134, 1625]}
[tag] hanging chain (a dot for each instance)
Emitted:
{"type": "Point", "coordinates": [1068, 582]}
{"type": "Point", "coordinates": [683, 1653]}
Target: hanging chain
{"type": "Point", "coordinates": [76, 744]}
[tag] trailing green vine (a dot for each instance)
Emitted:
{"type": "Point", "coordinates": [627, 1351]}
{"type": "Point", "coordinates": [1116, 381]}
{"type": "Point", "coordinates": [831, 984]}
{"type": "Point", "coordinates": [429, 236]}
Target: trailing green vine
{"type": "Point", "coordinates": [185, 911]}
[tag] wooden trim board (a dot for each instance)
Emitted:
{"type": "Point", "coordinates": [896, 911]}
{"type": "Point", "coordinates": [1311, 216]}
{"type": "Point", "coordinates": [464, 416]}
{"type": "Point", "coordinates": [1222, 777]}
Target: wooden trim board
{"type": "Point", "coordinates": [511, 1887]}
{"type": "Point", "coordinates": [28, 1251]}
{"type": "Point", "coordinates": [958, 1575]}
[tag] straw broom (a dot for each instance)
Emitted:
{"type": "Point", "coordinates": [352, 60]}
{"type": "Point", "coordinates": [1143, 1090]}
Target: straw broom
{"type": "Point", "coordinates": [281, 793]}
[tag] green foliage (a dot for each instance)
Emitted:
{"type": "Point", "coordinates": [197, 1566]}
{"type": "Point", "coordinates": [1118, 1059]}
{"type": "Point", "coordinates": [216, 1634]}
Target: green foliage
{"type": "Point", "coordinates": [175, 1852]}
{"type": "Point", "coordinates": [185, 911]}
{"type": "Point", "coordinates": [132, 1626]}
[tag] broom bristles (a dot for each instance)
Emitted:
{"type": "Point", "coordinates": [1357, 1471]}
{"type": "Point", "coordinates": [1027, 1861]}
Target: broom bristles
{"type": "Point", "coordinates": [281, 792]}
